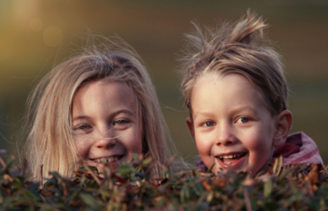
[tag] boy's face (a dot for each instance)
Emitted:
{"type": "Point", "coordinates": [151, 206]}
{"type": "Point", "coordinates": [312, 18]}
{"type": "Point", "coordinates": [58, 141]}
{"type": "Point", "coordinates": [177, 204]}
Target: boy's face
{"type": "Point", "coordinates": [231, 124]}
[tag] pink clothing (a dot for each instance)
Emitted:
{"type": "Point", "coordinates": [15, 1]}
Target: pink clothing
{"type": "Point", "coordinates": [201, 166]}
{"type": "Point", "coordinates": [299, 148]}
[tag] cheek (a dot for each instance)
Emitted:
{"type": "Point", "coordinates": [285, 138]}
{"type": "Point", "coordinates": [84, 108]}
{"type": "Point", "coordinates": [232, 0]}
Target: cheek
{"type": "Point", "coordinates": [204, 147]}
{"type": "Point", "coordinates": [204, 141]}
{"type": "Point", "coordinates": [257, 140]}
{"type": "Point", "coordinates": [259, 148]}
{"type": "Point", "coordinates": [132, 140]}
{"type": "Point", "coordinates": [82, 147]}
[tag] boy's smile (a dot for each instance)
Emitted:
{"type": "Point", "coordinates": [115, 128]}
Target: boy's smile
{"type": "Point", "coordinates": [231, 124]}
{"type": "Point", "coordinates": [231, 159]}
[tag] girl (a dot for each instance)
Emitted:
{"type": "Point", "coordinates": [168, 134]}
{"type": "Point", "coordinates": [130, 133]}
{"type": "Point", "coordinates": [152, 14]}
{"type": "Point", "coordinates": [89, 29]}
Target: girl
{"type": "Point", "coordinates": [97, 108]}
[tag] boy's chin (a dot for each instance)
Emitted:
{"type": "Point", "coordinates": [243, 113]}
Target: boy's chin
{"type": "Point", "coordinates": [259, 172]}
{"type": "Point", "coordinates": [263, 170]}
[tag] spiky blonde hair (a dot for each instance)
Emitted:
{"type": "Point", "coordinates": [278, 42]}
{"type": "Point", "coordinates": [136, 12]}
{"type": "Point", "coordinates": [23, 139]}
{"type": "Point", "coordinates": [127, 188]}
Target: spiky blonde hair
{"type": "Point", "coordinates": [240, 49]}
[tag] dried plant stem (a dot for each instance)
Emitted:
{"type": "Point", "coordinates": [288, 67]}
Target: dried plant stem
{"type": "Point", "coordinates": [41, 177]}
{"type": "Point", "coordinates": [173, 157]}
{"type": "Point", "coordinates": [3, 163]}
{"type": "Point", "coordinates": [247, 200]}
{"type": "Point", "coordinates": [92, 174]}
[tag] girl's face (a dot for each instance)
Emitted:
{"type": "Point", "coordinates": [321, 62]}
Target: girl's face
{"type": "Point", "coordinates": [105, 123]}
{"type": "Point", "coordinates": [231, 124]}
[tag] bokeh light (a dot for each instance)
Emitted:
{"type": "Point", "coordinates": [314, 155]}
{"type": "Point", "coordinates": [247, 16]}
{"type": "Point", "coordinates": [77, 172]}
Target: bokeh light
{"type": "Point", "coordinates": [36, 35]}
{"type": "Point", "coordinates": [35, 24]}
{"type": "Point", "coordinates": [52, 36]}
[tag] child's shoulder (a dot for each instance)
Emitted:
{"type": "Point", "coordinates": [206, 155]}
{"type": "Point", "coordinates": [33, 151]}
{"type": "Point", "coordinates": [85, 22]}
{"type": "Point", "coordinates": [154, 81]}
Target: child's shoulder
{"type": "Point", "coordinates": [299, 148]}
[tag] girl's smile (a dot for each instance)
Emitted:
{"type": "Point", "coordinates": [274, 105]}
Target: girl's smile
{"type": "Point", "coordinates": [107, 160]}
{"type": "Point", "coordinates": [106, 126]}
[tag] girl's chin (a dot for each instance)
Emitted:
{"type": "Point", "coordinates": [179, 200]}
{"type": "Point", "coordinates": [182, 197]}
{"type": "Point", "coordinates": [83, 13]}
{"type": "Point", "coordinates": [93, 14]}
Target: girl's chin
{"type": "Point", "coordinates": [108, 166]}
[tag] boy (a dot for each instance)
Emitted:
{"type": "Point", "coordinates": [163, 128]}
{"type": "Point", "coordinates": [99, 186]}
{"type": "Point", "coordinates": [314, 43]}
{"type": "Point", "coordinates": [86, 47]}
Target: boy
{"type": "Point", "coordinates": [236, 92]}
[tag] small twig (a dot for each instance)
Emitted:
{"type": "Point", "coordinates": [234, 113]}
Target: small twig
{"type": "Point", "coordinates": [41, 177]}
{"type": "Point", "coordinates": [247, 200]}
{"type": "Point", "coordinates": [161, 165]}
{"type": "Point", "coordinates": [3, 163]}
{"type": "Point", "coordinates": [173, 157]}
{"type": "Point", "coordinates": [92, 174]}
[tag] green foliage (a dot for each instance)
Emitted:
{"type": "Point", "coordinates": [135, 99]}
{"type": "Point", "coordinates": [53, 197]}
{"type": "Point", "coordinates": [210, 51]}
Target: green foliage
{"type": "Point", "coordinates": [132, 187]}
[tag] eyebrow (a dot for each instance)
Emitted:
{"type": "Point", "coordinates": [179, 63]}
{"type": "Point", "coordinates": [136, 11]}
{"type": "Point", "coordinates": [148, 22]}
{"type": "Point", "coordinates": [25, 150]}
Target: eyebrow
{"type": "Point", "coordinates": [241, 108]}
{"type": "Point", "coordinates": [238, 109]}
{"type": "Point", "coordinates": [128, 112]}
{"type": "Point", "coordinates": [204, 113]}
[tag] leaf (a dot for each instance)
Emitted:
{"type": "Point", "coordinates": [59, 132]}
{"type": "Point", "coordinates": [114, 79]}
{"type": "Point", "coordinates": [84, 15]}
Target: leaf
{"type": "Point", "coordinates": [89, 200]}
{"type": "Point", "coordinates": [221, 182]}
{"type": "Point", "coordinates": [146, 162]}
{"type": "Point", "coordinates": [210, 169]}
{"type": "Point", "coordinates": [135, 156]}
{"type": "Point", "coordinates": [206, 185]}
{"type": "Point", "coordinates": [267, 189]}
{"type": "Point", "coordinates": [184, 193]}
{"type": "Point", "coordinates": [185, 190]}
{"type": "Point", "coordinates": [197, 188]}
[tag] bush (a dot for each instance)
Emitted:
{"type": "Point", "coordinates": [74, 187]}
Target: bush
{"type": "Point", "coordinates": [131, 187]}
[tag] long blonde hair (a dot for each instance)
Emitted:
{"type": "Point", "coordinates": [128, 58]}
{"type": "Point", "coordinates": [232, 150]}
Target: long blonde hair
{"type": "Point", "coordinates": [50, 138]}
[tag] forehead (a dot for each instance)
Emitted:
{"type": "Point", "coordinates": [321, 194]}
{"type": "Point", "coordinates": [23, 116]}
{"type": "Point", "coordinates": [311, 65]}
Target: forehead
{"type": "Point", "coordinates": [103, 94]}
{"type": "Point", "coordinates": [105, 87]}
{"type": "Point", "coordinates": [231, 79]}
{"type": "Point", "coordinates": [225, 90]}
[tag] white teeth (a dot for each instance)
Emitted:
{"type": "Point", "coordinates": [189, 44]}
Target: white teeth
{"type": "Point", "coordinates": [106, 160]}
{"type": "Point", "coordinates": [111, 159]}
{"type": "Point", "coordinates": [231, 156]}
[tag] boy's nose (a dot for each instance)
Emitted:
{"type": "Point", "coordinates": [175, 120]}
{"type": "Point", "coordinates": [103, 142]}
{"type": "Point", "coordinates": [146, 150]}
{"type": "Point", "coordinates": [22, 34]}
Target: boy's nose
{"type": "Point", "coordinates": [225, 136]}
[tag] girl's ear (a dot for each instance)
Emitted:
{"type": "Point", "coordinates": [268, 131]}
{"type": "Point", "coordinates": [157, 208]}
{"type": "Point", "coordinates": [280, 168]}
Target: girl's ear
{"type": "Point", "coordinates": [191, 127]}
{"type": "Point", "coordinates": [284, 122]}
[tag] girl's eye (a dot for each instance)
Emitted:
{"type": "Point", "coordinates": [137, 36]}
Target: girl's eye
{"type": "Point", "coordinates": [121, 121]}
{"type": "Point", "coordinates": [244, 119]}
{"type": "Point", "coordinates": [82, 127]}
{"type": "Point", "coordinates": [208, 124]}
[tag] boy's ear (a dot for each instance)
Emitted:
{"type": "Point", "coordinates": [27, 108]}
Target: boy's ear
{"type": "Point", "coordinates": [284, 122]}
{"type": "Point", "coordinates": [191, 127]}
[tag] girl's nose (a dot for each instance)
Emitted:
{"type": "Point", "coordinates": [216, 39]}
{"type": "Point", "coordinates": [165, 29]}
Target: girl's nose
{"type": "Point", "coordinates": [106, 139]}
{"type": "Point", "coordinates": [225, 136]}
{"type": "Point", "coordinates": [106, 143]}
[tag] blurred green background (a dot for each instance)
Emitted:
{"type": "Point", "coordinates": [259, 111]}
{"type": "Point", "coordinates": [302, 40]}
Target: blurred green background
{"type": "Point", "coordinates": [33, 33]}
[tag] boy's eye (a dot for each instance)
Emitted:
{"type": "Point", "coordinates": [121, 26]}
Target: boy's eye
{"type": "Point", "coordinates": [208, 124]}
{"type": "Point", "coordinates": [243, 119]}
